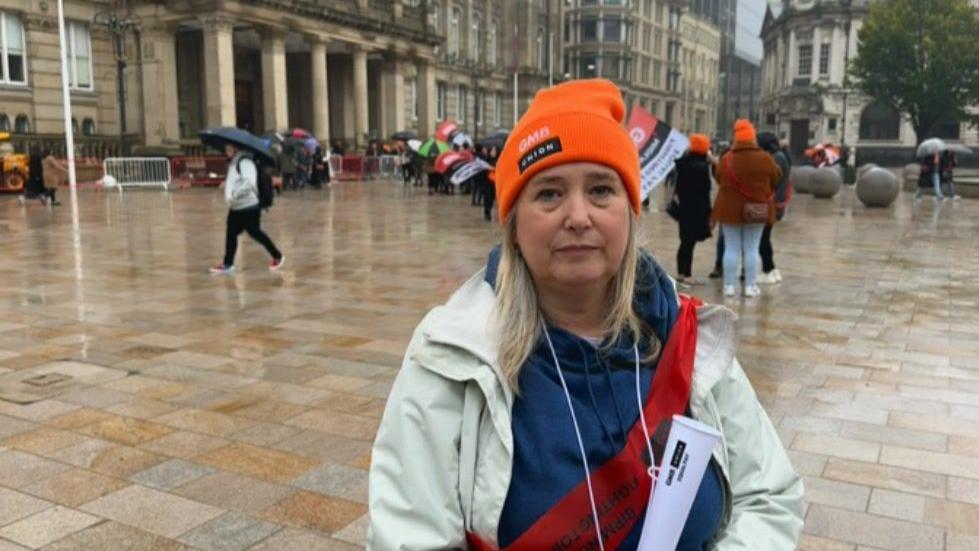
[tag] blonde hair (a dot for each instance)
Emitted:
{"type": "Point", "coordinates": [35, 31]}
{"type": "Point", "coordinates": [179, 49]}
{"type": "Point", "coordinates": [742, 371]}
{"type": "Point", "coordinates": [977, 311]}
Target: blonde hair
{"type": "Point", "coordinates": [521, 319]}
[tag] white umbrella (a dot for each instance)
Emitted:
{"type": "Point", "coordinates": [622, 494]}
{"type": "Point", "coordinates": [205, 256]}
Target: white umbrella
{"type": "Point", "coordinates": [414, 145]}
{"type": "Point", "coordinates": [959, 148]}
{"type": "Point", "coordinates": [468, 170]}
{"type": "Point", "coordinates": [930, 146]}
{"type": "Point", "coordinates": [461, 139]}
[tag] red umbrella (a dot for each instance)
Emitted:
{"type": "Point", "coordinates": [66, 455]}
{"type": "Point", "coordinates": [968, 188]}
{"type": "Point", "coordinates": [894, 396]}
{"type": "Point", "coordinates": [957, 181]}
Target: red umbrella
{"type": "Point", "coordinates": [446, 129]}
{"type": "Point", "coordinates": [300, 133]}
{"type": "Point", "coordinates": [447, 160]}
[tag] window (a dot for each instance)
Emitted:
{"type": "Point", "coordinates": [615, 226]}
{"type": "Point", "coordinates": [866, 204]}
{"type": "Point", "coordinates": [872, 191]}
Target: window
{"type": "Point", "coordinates": [657, 74]}
{"type": "Point", "coordinates": [453, 39]}
{"type": "Point", "coordinates": [805, 60]}
{"type": "Point", "coordinates": [462, 107]}
{"type": "Point", "coordinates": [491, 43]}
{"type": "Point", "coordinates": [824, 59]}
{"type": "Point", "coordinates": [946, 130]}
{"type": "Point", "coordinates": [440, 101]}
{"type": "Point", "coordinates": [413, 94]}
{"type": "Point", "coordinates": [658, 43]}
{"type": "Point", "coordinates": [437, 17]}
{"type": "Point", "coordinates": [645, 71]}
{"type": "Point", "coordinates": [612, 30]}
{"type": "Point", "coordinates": [831, 124]}
{"type": "Point", "coordinates": [659, 12]}
{"type": "Point", "coordinates": [587, 65]}
{"type": "Point", "coordinates": [12, 50]}
{"type": "Point", "coordinates": [589, 30]}
{"type": "Point", "coordinates": [647, 37]}
{"type": "Point", "coordinates": [474, 38]}
{"type": "Point", "coordinates": [648, 8]}
{"type": "Point", "coordinates": [4, 123]}
{"type": "Point", "coordinates": [880, 121]}
{"type": "Point", "coordinates": [79, 56]}
{"type": "Point", "coordinates": [498, 108]}
{"type": "Point", "coordinates": [478, 106]}
{"type": "Point", "coordinates": [22, 125]}
{"type": "Point", "coordinates": [541, 50]}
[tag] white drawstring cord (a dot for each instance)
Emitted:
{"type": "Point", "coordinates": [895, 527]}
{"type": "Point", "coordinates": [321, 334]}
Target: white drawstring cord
{"type": "Point", "coordinates": [653, 469]}
{"type": "Point", "coordinates": [581, 444]}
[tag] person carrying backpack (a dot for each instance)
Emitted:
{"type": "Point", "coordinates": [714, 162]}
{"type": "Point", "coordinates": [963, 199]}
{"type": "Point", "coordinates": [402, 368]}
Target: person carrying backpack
{"type": "Point", "coordinates": [242, 191]}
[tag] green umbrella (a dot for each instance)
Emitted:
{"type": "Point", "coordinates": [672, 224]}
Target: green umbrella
{"type": "Point", "coordinates": [433, 148]}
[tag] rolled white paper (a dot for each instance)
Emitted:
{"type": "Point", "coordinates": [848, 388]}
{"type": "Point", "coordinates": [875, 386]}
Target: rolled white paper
{"type": "Point", "coordinates": [685, 458]}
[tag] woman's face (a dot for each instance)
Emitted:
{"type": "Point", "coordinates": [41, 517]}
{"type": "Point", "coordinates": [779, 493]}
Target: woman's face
{"type": "Point", "coordinates": [573, 225]}
{"type": "Point", "coordinates": [230, 151]}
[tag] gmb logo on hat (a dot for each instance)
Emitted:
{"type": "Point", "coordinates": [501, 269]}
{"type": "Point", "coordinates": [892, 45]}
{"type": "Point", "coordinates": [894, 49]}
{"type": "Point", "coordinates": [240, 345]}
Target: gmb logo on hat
{"type": "Point", "coordinates": [532, 149]}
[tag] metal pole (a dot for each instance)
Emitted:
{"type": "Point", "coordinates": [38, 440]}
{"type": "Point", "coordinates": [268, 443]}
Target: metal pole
{"type": "Point", "coordinates": [66, 98]}
{"type": "Point", "coordinates": [846, 70]}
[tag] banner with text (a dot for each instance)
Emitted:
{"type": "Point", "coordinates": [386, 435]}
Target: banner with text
{"type": "Point", "coordinates": [659, 147]}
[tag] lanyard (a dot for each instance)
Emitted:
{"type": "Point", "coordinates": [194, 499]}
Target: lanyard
{"type": "Point", "coordinates": [581, 445]}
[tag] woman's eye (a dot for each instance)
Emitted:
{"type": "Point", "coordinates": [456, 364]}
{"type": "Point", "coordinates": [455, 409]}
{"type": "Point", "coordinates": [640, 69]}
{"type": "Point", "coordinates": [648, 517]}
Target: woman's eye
{"type": "Point", "coordinates": [602, 191]}
{"type": "Point", "coordinates": [548, 195]}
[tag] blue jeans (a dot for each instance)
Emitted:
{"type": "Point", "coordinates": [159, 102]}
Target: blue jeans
{"type": "Point", "coordinates": [741, 241]}
{"type": "Point", "coordinates": [936, 182]}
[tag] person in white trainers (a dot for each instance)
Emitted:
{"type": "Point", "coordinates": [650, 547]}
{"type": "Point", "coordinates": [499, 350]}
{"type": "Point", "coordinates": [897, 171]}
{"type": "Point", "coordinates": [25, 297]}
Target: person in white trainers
{"type": "Point", "coordinates": [783, 194]}
{"type": "Point", "coordinates": [244, 210]}
{"type": "Point", "coordinates": [745, 203]}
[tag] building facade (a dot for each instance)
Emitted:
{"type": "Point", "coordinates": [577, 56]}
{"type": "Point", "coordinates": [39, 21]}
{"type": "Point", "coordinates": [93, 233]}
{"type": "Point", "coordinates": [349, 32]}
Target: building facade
{"type": "Point", "coordinates": [343, 69]}
{"type": "Point", "coordinates": [348, 70]}
{"type": "Point", "coordinates": [659, 55]}
{"type": "Point", "coordinates": [806, 98]}
{"type": "Point", "coordinates": [739, 76]}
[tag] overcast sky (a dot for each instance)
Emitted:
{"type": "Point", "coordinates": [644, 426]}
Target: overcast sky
{"type": "Point", "coordinates": [747, 44]}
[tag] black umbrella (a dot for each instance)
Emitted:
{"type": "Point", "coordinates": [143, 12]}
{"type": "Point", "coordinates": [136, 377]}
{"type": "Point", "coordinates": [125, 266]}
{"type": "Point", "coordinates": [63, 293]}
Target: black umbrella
{"type": "Point", "coordinates": [404, 135]}
{"type": "Point", "coordinates": [221, 136]}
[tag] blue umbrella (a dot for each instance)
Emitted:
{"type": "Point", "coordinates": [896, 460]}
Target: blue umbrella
{"type": "Point", "coordinates": [221, 136]}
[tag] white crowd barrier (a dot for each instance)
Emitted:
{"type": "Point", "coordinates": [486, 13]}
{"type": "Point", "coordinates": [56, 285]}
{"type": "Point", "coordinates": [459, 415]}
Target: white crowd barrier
{"type": "Point", "coordinates": [136, 172]}
{"type": "Point", "coordinates": [390, 166]}
{"type": "Point", "coordinates": [336, 165]}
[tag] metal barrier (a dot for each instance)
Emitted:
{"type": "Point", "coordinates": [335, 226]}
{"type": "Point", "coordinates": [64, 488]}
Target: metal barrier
{"type": "Point", "coordinates": [390, 166]}
{"type": "Point", "coordinates": [336, 165]}
{"type": "Point", "coordinates": [137, 171]}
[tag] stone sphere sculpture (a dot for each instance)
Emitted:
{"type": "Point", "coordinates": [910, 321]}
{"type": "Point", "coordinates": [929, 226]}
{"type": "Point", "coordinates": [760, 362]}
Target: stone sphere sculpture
{"type": "Point", "coordinates": [801, 178]}
{"type": "Point", "coordinates": [910, 174]}
{"type": "Point", "coordinates": [825, 182]}
{"type": "Point", "coordinates": [878, 188]}
{"type": "Point", "coordinates": [865, 169]}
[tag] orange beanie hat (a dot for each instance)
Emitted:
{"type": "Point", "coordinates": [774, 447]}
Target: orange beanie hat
{"type": "Point", "coordinates": [744, 131]}
{"type": "Point", "coordinates": [578, 121]}
{"type": "Point", "coordinates": [699, 144]}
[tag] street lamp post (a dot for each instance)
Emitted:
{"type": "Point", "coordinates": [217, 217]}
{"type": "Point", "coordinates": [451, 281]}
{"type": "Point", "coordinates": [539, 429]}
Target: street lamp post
{"type": "Point", "coordinates": [846, 83]}
{"type": "Point", "coordinates": [118, 20]}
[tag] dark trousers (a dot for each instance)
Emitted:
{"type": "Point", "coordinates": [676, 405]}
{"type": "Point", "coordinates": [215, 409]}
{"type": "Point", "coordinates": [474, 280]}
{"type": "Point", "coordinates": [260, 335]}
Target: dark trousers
{"type": "Point", "coordinates": [684, 258]}
{"type": "Point", "coordinates": [489, 195]}
{"type": "Point", "coordinates": [719, 257]}
{"type": "Point", "coordinates": [765, 250]}
{"type": "Point", "coordinates": [247, 220]}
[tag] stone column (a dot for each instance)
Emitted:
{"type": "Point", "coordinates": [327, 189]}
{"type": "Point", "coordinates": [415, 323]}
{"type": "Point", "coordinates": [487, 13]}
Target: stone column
{"type": "Point", "coordinates": [159, 86]}
{"type": "Point", "coordinates": [393, 104]}
{"type": "Point", "coordinates": [275, 99]}
{"type": "Point", "coordinates": [321, 102]}
{"type": "Point", "coordinates": [360, 96]}
{"type": "Point", "coordinates": [219, 70]}
{"type": "Point", "coordinates": [427, 106]}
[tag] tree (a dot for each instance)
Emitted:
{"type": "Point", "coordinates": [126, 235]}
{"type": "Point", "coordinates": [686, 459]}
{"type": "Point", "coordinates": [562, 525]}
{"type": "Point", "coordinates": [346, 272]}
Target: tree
{"type": "Point", "coordinates": [922, 57]}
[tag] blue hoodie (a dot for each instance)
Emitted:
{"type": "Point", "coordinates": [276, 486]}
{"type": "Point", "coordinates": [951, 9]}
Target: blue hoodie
{"type": "Point", "coordinates": [602, 385]}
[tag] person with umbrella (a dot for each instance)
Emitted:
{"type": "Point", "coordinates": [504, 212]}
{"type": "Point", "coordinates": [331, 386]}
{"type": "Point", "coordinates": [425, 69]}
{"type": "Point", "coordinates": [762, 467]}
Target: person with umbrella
{"type": "Point", "coordinates": [241, 193]}
{"type": "Point", "coordinates": [930, 152]}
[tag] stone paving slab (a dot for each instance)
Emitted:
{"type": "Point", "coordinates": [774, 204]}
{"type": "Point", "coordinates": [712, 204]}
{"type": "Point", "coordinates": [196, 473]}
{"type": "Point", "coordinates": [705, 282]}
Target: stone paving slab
{"type": "Point", "coordinates": [240, 410]}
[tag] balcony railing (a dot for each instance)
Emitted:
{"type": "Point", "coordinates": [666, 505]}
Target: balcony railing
{"type": "Point", "coordinates": [97, 147]}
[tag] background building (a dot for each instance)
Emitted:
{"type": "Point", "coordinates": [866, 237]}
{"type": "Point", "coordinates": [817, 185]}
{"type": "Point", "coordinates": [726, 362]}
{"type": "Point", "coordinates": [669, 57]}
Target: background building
{"type": "Point", "coordinates": [807, 47]}
{"type": "Point", "coordinates": [739, 83]}
{"type": "Point", "coordinates": [346, 70]}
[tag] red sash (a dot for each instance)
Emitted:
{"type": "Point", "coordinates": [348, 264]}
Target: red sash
{"type": "Point", "coordinates": [622, 486]}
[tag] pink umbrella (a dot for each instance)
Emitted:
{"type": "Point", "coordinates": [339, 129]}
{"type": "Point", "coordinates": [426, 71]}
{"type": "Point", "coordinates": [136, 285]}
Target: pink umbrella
{"type": "Point", "coordinates": [300, 133]}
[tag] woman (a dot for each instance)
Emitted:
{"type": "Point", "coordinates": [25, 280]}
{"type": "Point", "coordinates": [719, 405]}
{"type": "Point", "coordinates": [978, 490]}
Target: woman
{"type": "Point", "coordinates": [532, 374]}
{"type": "Point", "coordinates": [244, 211]}
{"type": "Point", "coordinates": [40, 172]}
{"type": "Point", "coordinates": [783, 194]}
{"type": "Point", "coordinates": [745, 202]}
{"type": "Point", "coordinates": [693, 198]}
